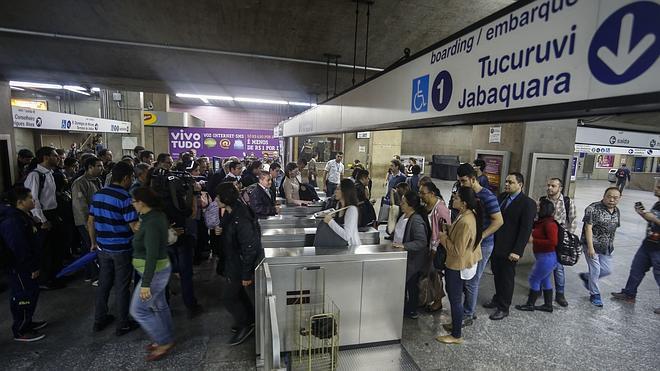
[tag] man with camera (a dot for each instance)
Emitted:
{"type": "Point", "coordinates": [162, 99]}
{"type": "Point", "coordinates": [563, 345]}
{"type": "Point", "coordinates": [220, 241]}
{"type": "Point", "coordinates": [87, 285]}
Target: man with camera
{"type": "Point", "coordinates": [648, 255]}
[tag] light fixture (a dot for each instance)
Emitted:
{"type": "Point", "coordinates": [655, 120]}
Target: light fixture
{"type": "Point", "coordinates": [95, 90]}
{"type": "Point", "coordinates": [206, 101]}
{"type": "Point", "coordinates": [258, 100]}
{"type": "Point", "coordinates": [76, 89]}
{"type": "Point", "coordinates": [207, 97]}
{"type": "Point", "coordinates": [38, 85]}
{"type": "Point", "coordinates": [300, 104]}
{"type": "Point", "coordinates": [17, 88]}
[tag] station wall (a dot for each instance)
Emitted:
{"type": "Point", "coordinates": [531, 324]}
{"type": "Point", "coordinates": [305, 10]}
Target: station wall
{"type": "Point", "coordinates": [234, 117]}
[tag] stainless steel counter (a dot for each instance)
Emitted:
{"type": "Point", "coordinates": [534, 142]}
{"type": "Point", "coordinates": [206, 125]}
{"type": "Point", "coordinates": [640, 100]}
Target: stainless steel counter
{"type": "Point", "coordinates": [298, 237]}
{"type": "Point", "coordinates": [289, 221]}
{"type": "Point", "coordinates": [366, 282]}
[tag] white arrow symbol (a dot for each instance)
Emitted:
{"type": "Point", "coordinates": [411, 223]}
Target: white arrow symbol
{"type": "Point", "coordinates": [625, 57]}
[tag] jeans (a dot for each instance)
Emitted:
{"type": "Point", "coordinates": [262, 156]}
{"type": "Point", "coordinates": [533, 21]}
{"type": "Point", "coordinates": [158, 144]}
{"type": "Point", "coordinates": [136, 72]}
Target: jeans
{"type": "Point", "coordinates": [154, 315]}
{"type": "Point", "coordinates": [471, 288]}
{"type": "Point", "coordinates": [412, 294]}
{"type": "Point", "coordinates": [24, 295]}
{"type": "Point", "coordinates": [646, 257]}
{"type": "Point", "coordinates": [454, 286]}
{"type": "Point", "coordinates": [239, 302]}
{"type": "Point", "coordinates": [540, 276]}
{"type": "Point", "coordinates": [599, 267]}
{"type": "Point", "coordinates": [621, 183]}
{"type": "Point", "coordinates": [91, 269]}
{"type": "Point", "coordinates": [181, 256]}
{"type": "Point", "coordinates": [331, 188]}
{"type": "Point", "coordinates": [560, 280]}
{"type": "Point", "coordinates": [116, 270]}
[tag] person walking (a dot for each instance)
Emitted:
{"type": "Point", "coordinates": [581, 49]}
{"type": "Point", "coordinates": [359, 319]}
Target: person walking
{"type": "Point", "coordinates": [544, 238]}
{"type": "Point", "coordinates": [622, 176]}
{"type": "Point", "coordinates": [111, 223]}
{"type": "Point", "coordinates": [565, 215]}
{"type": "Point", "coordinates": [334, 172]}
{"type": "Point", "coordinates": [518, 212]}
{"type": "Point", "coordinates": [20, 237]}
{"type": "Point", "coordinates": [648, 255]}
{"type": "Point", "coordinates": [601, 219]}
{"type": "Point", "coordinates": [241, 242]}
{"type": "Point", "coordinates": [412, 233]}
{"type": "Point", "coordinates": [492, 221]}
{"type": "Point", "coordinates": [149, 305]}
{"type": "Point", "coordinates": [461, 241]}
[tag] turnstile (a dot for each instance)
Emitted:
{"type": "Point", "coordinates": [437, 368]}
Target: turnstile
{"type": "Point", "coordinates": [299, 237]}
{"type": "Point", "coordinates": [300, 210]}
{"type": "Point", "coordinates": [289, 221]}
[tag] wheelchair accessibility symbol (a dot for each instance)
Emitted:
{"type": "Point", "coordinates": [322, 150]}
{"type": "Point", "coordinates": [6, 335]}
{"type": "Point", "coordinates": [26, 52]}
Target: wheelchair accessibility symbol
{"type": "Point", "coordinates": [420, 94]}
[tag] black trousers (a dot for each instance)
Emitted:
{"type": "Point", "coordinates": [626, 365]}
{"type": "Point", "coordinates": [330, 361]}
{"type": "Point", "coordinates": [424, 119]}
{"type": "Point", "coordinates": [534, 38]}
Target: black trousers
{"type": "Point", "coordinates": [504, 271]}
{"type": "Point", "coordinates": [23, 300]}
{"type": "Point", "coordinates": [412, 294]}
{"type": "Point", "coordinates": [51, 248]}
{"type": "Point", "coordinates": [239, 302]}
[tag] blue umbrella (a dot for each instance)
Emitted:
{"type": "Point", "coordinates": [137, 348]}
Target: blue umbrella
{"type": "Point", "coordinates": [79, 264]}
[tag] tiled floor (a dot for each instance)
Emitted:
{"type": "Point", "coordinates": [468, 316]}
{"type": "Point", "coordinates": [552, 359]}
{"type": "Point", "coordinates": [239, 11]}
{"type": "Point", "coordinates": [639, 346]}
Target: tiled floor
{"type": "Point", "coordinates": [581, 337]}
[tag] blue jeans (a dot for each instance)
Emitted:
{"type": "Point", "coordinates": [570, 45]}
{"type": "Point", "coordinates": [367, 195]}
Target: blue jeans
{"type": "Point", "coordinates": [599, 267]}
{"type": "Point", "coordinates": [181, 256]}
{"type": "Point", "coordinates": [646, 257]}
{"type": "Point", "coordinates": [116, 269]}
{"type": "Point", "coordinates": [331, 189]}
{"type": "Point", "coordinates": [560, 278]}
{"type": "Point", "coordinates": [154, 314]}
{"type": "Point", "coordinates": [454, 287]}
{"type": "Point", "coordinates": [471, 288]}
{"type": "Point", "coordinates": [541, 274]}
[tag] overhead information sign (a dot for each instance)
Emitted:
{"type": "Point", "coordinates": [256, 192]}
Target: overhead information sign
{"type": "Point", "coordinates": [545, 52]}
{"type": "Point", "coordinates": [589, 148]}
{"type": "Point", "coordinates": [46, 120]}
{"type": "Point", "coordinates": [605, 137]}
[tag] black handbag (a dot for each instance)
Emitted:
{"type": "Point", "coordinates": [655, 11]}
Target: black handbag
{"type": "Point", "coordinates": [327, 238]}
{"type": "Point", "coordinates": [440, 258]}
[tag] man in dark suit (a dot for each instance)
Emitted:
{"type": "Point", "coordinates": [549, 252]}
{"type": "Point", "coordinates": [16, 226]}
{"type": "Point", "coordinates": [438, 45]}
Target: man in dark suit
{"type": "Point", "coordinates": [518, 212]}
{"type": "Point", "coordinates": [262, 201]}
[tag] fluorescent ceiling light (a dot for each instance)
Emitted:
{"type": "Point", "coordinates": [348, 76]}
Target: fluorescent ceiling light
{"type": "Point", "coordinates": [208, 97]}
{"type": "Point", "coordinates": [76, 89]}
{"type": "Point", "coordinates": [206, 101]}
{"type": "Point", "coordinates": [17, 88]}
{"type": "Point", "coordinates": [95, 90]}
{"type": "Point", "coordinates": [257, 100]}
{"type": "Point", "coordinates": [301, 104]}
{"type": "Point", "coordinates": [24, 84]}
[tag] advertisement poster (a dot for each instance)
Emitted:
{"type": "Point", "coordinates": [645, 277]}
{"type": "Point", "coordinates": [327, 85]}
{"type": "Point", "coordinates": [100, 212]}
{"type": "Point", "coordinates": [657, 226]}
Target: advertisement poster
{"type": "Point", "coordinates": [224, 142]}
{"type": "Point", "coordinates": [408, 164]}
{"type": "Point", "coordinates": [493, 171]}
{"type": "Point", "coordinates": [604, 161]}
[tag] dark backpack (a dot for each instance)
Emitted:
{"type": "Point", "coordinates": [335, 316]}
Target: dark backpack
{"type": "Point", "coordinates": [568, 248]}
{"type": "Point", "coordinates": [620, 173]}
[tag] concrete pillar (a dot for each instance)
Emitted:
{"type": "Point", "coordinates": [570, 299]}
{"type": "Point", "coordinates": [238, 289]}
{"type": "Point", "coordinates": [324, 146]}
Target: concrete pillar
{"type": "Point", "coordinates": [157, 102]}
{"type": "Point", "coordinates": [382, 146]}
{"type": "Point", "coordinates": [130, 108]}
{"type": "Point", "coordinates": [7, 141]}
{"type": "Point", "coordinates": [352, 147]}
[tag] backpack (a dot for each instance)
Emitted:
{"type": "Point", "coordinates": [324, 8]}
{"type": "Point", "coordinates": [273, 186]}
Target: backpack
{"type": "Point", "coordinates": [247, 192]}
{"type": "Point", "coordinates": [568, 248]}
{"type": "Point", "coordinates": [212, 215]}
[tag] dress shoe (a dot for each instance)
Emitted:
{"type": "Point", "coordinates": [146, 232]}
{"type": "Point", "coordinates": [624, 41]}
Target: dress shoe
{"type": "Point", "coordinates": [490, 305]}
{"type": "Point", "coordinates": [498, 315]}
{"type": "Point", "coordinates": [158, 354]}
{"type": "Point", "coordinates": [448, 339]}
{"type": "Point", "coordinates": [241, 335]}
{"type": "Point", "coordinates": [561, 299]}
{"type": "Point", "coordinates": [623, 297]}
{"type": "Point", "coordinates": [101, 325]}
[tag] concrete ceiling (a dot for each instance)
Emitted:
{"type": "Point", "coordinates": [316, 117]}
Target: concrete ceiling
{"type": "Point", "coordinates": [300, 29]}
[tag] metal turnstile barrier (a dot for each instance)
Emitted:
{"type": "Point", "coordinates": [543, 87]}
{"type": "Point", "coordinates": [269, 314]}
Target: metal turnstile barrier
{"type": "Point", "coordinates": [268, 329]}
{"type": "Point", "coordinates": [300, 237]}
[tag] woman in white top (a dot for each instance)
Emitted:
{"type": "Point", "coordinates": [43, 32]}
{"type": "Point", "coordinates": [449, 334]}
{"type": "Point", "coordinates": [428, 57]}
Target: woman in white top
{"type": "Point", "coordinates": [346, 196]}
{"type": "Point", "coordinates": [291, 185]}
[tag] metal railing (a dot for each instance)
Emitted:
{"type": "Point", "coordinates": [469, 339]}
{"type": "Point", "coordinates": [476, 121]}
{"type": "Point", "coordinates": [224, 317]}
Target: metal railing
{"type": "Point", "coordinates": [269, 333]}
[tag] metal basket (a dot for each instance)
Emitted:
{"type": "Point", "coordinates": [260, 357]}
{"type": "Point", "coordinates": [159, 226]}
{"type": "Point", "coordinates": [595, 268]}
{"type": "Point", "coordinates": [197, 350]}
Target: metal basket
{"type": "Point", "coordinates": [316, 326]}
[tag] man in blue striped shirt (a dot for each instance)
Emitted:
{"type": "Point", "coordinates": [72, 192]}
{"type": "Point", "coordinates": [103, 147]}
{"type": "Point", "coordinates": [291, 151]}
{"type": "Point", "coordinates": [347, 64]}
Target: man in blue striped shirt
{"type": "Point", "coordinates": [112, 221]}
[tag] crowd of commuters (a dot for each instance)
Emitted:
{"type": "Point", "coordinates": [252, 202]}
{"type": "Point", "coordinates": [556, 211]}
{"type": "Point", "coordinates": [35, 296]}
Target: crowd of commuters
{"type": "Point", "coordinates": [150, 218]}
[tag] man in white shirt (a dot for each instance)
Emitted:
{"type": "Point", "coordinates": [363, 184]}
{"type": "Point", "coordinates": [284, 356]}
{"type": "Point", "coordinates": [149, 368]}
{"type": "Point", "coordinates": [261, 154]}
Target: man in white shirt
{"type": "Point", "coordinates": [41, 183]}
{"type": "Point", "coordinates": [334, 170]}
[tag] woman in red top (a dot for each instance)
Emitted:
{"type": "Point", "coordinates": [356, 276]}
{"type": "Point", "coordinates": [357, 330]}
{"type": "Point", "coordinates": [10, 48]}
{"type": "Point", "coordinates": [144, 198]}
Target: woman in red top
{"type": "Point", "coordinates": [544, 238]}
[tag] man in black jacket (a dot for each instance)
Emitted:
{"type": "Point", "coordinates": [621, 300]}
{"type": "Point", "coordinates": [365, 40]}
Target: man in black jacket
{"type": "Point", "coordinates": [20, 236]}
{"type": "Point", "coordinates": [518, 212]}
{"type": "Point", "coordinates": [262, 201]}
{"type": "Point", "coordinates": [241, 242]}
{"type": "Point", "coordinates": [251, 174]}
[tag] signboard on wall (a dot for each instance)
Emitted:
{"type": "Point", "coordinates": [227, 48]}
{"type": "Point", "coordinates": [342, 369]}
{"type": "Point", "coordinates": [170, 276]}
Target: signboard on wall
{"type": "Point", "coordinates": [588, 148]}
{"type": "Point", "coordinates": [495, 134]}
{"type": "Point", "coordinates": [223, 142]}
{"type": "Point", "coordinates": [363, 134]}
{"type": "Point", "coordinates": [46, 120]}
{"type": "Point", "coordinates": [30, 103]}
{"type": "Point", "coordinates": [538, 54]}
{"type": "Point", "coordinates": [605, 137]}
{"type": "Point", "coordinates": [604, 161]}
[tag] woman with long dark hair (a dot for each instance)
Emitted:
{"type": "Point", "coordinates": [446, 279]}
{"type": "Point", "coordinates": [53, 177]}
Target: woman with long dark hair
{"type": "Point", "coordinates": [544, 240]}
{"type": "Point", "coordinates": [462, 242]}
{"type": "Point", "coordinates": [291, 185]}
{"type": "Point", "coordinates": [412, 232]}
{"type": "Point", "coordinates": [149, 306]}
{"type": "Point", "coordinates": [346, 196]}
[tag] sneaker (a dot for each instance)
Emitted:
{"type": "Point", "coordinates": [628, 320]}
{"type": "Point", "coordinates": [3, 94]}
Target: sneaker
{"type": "Point", "coordinates": [585, 280]}
{"type": "Point", "coordinates": [38, 325]}
{"type": "Point", "coordinates": [29, 337]}
{"type": "Point", "coordinates": [595, 300]}
{"type": "Point", "coordinates": [87, 280]}
{"type": "Point", "coordinates": [623, 297]}
{"type": "Point", "coordinates": [95, 283]}
{"type": "Point", "coordinates": [101, 325]}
